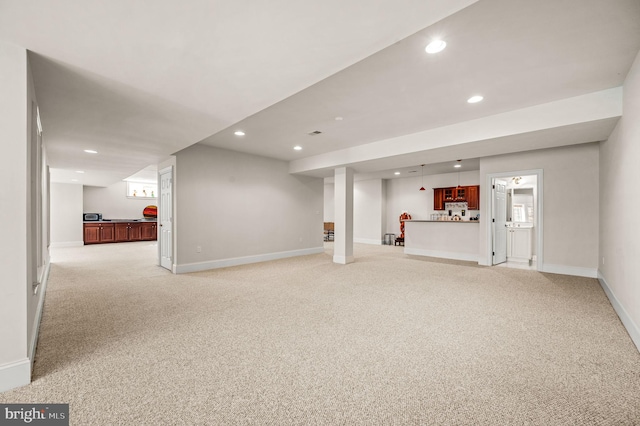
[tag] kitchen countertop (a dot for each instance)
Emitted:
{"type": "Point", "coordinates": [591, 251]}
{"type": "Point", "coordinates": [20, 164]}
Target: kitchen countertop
{"type": "Point", "coordinates": [121, 220]}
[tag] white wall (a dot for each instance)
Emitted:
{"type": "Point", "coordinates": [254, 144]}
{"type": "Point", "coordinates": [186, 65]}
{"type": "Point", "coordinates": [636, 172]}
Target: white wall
{"type": "Point", "coordinates": [240, 208]}
{"type": "Point", "coordinates": [619, 266]}
{"type": "Point", "coordinates": [66, 215]}
{"type": "Point", "coordinates": [329, 203]}
{"type": "Point", "coordinates": [113, 203]}
{"type": "Point", "coordinates": [13, 213]}
{"type": "Point", "coordinates": [24, 255]}
{"type": "Point", "coordinates": [570, 200]}
{"type": "Point", "coordinates": [369, 206]}
{"type": "Point", "coordinates": [38, 219]}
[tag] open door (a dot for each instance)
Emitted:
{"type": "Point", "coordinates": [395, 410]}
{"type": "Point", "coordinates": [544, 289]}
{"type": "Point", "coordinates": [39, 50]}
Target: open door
{"type": "Point", "coordinates": [165, 218]}
{"type": "Point", "coordinates": [499, 221]}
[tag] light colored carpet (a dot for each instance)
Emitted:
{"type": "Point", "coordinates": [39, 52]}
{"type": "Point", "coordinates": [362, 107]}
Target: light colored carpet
{"type": "Point", "coordinates": [389, 339]}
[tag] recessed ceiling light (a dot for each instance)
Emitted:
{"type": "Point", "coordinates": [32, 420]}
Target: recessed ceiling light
{"type": "Point", "coordinates": [239, 133]}
{"type": "Point", "coordinates": [475, 99]}
{"type": "Point", "coordinates": [79, 171]}
{"type": "Point", "coordinates": [339, 118]}
{"type": "Point", "coordinates": [297, 148]}
{"type": "Point", "coordinates": [458, 166]}
{"type": "Point", "coordinates": [435, 46]}
{"type": "Point", "coordinates": [396, 173]}
{"type": "Point", "coordinates": [90, 151]}
{"type": "Point", "coordinates": [74, 180]}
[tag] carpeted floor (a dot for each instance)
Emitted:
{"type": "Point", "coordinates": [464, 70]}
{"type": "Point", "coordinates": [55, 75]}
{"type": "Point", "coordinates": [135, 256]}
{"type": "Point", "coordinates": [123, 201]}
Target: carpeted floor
{"type": "Point", "coordinates": [388, 339]}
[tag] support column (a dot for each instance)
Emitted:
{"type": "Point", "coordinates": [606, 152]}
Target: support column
{"type": "Point", "coordinates": [343, 225]}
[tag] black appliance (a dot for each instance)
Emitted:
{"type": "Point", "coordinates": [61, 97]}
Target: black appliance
{"type": "Point", "coordinates": [91, 217]}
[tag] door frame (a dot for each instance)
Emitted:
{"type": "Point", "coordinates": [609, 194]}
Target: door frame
{"type": "Point", "coordinates": [493, 224]}
{"type": "Point", "coordinates": [539, 226]}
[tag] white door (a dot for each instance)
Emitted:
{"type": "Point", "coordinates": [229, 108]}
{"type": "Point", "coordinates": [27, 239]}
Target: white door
{"type": "Point", "coordinates": [165, 218]}
{"type": "Point", "coordinates": [499, 221]}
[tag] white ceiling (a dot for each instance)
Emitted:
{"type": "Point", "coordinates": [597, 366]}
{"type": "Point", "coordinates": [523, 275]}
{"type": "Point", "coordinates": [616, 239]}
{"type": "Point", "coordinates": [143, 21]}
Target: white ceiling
{"type": "Point", "coordinates": [139, 81]}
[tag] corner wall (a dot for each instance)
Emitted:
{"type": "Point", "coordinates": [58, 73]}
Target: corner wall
{"type": "Point", "coordinates": [235, 208]}
{"type": "Point", "coordinates": [619, 266]}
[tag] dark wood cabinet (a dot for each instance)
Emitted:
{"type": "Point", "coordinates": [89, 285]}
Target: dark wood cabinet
{"type": "Point", "coordinates": [149, 231]}
{"type": "Point", "coordinates": [128, 231]}
{"type": "Point", "coordinates": [438, 198]}
{"type": "Point", "coordinates": [460, 194]}
{"type": "Point", "coordinates": [473, 197]}
{"type": "Point", "coordinates": [100, 232]}
{"type": "Point", "coordinates": [96, 233]}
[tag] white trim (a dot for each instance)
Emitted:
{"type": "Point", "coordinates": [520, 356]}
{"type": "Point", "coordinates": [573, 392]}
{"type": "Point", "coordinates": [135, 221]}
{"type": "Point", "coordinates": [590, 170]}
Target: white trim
{"type": "Point", "coordinates": [627, 321]}
{"type": "Point", "coordinates": [442, 254]}
{"type": "Point", "coordinates": [15, 374]}
{"type": "Point", "coordinates": [235, 261]}
{"type": "Point", "coordinates": [38, 317]}
{"type": "Point", "coordinates": [367, 241]}
{"type": "Point", "coordinates": [570, 270]}
{"type": "Point", "coordinates": [67, 244]}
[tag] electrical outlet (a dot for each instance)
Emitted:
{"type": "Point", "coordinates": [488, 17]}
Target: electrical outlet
{"type": "Point", "coordinates": [198, 249]}
{"type": "Point", "coordinates": [603, 260]}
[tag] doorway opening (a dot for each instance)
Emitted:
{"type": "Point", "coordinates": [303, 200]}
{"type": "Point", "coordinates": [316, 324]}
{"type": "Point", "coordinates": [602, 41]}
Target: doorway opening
{"type": "Point", "coordinates": [516, 219]}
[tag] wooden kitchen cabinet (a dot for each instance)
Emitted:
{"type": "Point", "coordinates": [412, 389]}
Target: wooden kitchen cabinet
{"type": "Point", "coordinates": [128, 231]}
{"type": "Point", "coordinates": [470, 194]}
{"type": "Point", "coordinates": [438, 198]}
{"type": "Point", "coordinates": [97, 233]}
{"type": "Point", "coordinates": [455, 194]}
{"type": "Point", "coordinates": [118, 232]}
{"type": "Point", "coordinates": [473, 197]}
{"type": "Point", "coordinates": [149, 231]}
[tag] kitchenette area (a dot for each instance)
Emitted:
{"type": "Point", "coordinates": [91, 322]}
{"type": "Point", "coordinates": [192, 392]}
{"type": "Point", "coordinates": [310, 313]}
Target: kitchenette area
{"type": "Point", "coordinates": [452, 231]}
{"type": "Point", "coordinates": [119, 230]}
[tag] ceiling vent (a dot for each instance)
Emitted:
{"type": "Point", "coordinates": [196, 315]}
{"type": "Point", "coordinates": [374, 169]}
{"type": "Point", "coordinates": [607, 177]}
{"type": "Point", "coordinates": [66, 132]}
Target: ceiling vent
{"type": "Point", "coordinates": [315, 132]}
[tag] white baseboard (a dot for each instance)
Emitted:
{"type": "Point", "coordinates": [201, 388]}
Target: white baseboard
{"type": "Point", "coordinates": [570, 270]}
{"type": "Point", "coordinates": [67, 244]}
{"type": "Point", "coordinates": [235, 261]}
{"type": "Point", "coordinates": [442, 254]}
{"type": "Point", "coordinates": [629, 324]}
{"type": "Point", "coordinates": [367, 241]}
{"type": "Point", "coordinates": [15, 375]}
